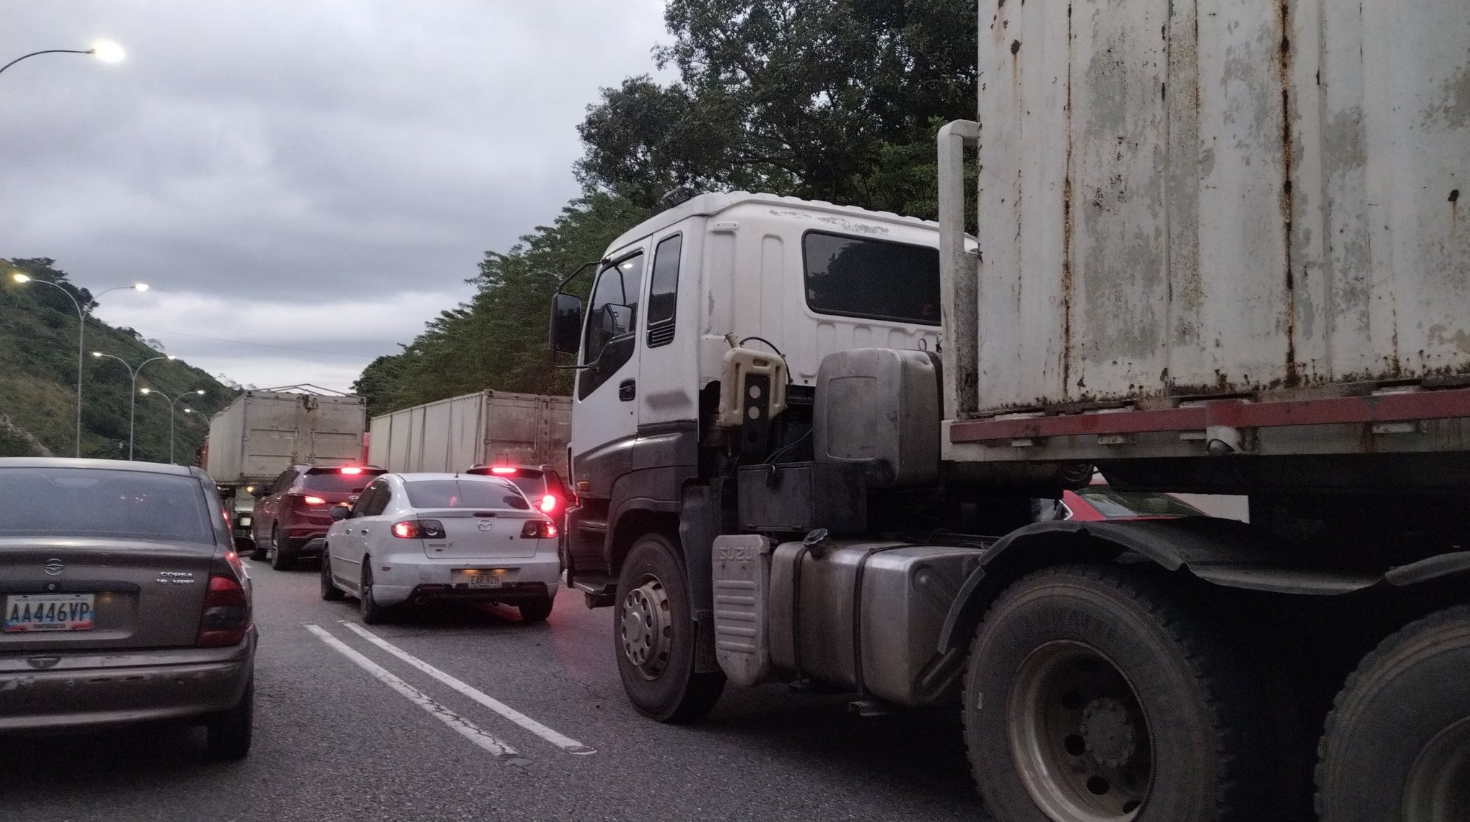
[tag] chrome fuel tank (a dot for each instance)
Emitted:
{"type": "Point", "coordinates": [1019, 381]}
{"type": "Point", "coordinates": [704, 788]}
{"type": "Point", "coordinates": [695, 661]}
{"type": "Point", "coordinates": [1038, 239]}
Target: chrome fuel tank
{"type": "Point", "coordinates": [881, 602]}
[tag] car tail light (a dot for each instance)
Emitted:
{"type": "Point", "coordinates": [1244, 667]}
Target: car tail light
{"type": "Point", "coordinates": [350, 470]}
{"type": "Point", "coordinates": [502, 470]}
{"type": "Point", "coordinates": [538, 529]}
{"type": "Point", "coordinates": [549, 504]}
{"type": "Point", "coordinates": [419, 529]}
{"type": "Point", "coordinates": [226, 613]}
{"type": "Point", "coordinates": [313, 501]}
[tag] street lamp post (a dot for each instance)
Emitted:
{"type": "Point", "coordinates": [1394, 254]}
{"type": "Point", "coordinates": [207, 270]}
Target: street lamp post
{"type": "Point", "coordinates": [171, 412]}
{"type": "Point", "coordinates": [133, 392]}
{"type": "Point", "coordinates": [104, 50]}
{"type": "Point", "coordinates": [81, 333]}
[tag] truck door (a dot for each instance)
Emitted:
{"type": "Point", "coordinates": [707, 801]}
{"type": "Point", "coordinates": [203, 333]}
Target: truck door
{"type": "Point", "coordinates": [668, 391]}
{"type": "Point", "coordinates": [605, 404]}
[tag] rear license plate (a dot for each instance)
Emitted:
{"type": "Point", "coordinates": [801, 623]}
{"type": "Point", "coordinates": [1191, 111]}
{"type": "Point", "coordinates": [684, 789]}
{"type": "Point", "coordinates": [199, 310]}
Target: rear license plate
{"type": "Point", "coordinates": [48, 612]}
{"type": "Point", "coordinates": [478, 579]}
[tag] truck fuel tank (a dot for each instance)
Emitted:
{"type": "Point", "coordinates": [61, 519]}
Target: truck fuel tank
{"type": "Point", "coordinates": [883, 603]}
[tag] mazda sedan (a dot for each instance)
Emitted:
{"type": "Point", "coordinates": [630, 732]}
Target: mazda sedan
{"type": "Point", "coordinates": [417, 538]}
{"type": "Point", "coordinates": [123, 601]}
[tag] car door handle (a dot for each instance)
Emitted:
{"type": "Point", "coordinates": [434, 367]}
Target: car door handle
{"type": "Point", "coordinates": [627, 390]}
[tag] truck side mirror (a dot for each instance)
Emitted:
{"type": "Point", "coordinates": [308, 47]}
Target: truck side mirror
{"type": "Point", "coordinates": [566, 324]}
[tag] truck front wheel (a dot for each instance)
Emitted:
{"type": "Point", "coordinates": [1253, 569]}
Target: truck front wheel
{"type": "Point", "coordinates": [1090, 695]}
{"type": "Point", "coordinates": [1397, 743]}
{"type": "Point", "coordinates": [654, 636]}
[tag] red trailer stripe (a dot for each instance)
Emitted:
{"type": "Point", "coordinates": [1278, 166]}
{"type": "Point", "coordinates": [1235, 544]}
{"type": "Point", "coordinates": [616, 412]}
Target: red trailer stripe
{"type": "Point", "coordinates": [1408, 406]}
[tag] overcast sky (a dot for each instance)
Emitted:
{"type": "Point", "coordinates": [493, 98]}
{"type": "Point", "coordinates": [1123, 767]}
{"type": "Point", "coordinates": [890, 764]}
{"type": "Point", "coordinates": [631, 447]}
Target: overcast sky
{"type": "Point", "coordinates": [308, 174]}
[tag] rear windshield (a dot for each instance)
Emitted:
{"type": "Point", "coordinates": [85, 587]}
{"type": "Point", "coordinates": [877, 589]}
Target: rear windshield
{"type": "Point", "coordinates": [1112, 503]}
{"type": "Point", "coordinates": [335, 482]}
{"type": "Point", "coordinates": [871, 278]}
{"type": "Point", "coordinates": [92, 502]}
{"type": "Point", "coordinates": [465, 493]}
{"type": "Point", "coordinates": [531, 482]}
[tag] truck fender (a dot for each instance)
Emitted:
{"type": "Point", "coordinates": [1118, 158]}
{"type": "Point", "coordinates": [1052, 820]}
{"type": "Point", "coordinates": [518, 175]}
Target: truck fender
{"type": "Point", "coordinates": [1218, 551]}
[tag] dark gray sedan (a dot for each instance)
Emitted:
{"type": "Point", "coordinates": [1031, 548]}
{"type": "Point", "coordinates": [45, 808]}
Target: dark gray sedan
{"type": "Point", "coordinates": [123, 601]}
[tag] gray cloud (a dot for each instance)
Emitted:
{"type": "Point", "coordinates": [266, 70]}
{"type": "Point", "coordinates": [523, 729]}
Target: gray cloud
{"type": "Point", "coordinates": [354, 156]}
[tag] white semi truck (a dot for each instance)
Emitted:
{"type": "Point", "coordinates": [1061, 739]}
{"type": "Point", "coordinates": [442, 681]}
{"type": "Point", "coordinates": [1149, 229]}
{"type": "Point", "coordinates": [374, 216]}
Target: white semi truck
{"type": "Point", "coordinates": [1219, 250]}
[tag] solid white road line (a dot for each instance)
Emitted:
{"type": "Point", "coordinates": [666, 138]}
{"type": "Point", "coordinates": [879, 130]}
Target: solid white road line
{"type": "Point", "coordinates": [566, 743]}
{"type": "Point", "coordinates": [461, 725]}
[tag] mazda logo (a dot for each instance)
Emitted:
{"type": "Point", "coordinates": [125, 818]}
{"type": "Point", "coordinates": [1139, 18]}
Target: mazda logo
{"type": "Point", "coordinates": [54, 567]}
{"type": "Point", "coordinates": [485, 525]}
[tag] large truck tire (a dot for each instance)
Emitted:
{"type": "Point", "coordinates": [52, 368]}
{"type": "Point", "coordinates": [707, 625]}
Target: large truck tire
{"type": "Point", "coordinates": [654, 636]}
{"type": "Point", "coordinates": [1090, 694]}
{"type": "Point", "coordinates": [1397, 744]}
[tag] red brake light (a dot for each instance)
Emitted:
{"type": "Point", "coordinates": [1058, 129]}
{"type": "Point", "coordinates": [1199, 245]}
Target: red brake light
{"type": "Point", "coordinates": [350, 470]}
{"type": "Point", "coordinates": [548, 504]}
{"type": "Point", "coordinates": [538, 529]}
{"type": "Point", "coordinates": [550, 530]}
{"type": "Point", "coordinates": [314, 501]}
{"type": "Point", "coordinates": [502, 470]}
{"type": "Point", "coordinates": [406, 530]}
{"type": "Point", "coordinates": [226, 614]}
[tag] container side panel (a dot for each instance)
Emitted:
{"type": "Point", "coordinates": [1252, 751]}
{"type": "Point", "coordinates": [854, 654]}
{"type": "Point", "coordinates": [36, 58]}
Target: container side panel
{"type": "Point", "coordinates": [1003, 379]}
{"type": "Point", "coordinates": [378, 443]}
{"type": "Point", "coordinates": [1417, 59]}
{"type": "Point", "coordinates": [1118, 133]}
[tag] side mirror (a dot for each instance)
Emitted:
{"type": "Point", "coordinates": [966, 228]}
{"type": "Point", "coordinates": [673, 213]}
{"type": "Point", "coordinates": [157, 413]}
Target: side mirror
{"type": "Point", "coordinates": [341, 512]}
{"type": "Point", "coordinates": [566, 324]}
{"type": "Point", "coordinates": [260, 493]}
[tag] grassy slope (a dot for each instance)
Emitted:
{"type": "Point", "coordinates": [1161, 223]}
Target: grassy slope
{"type": "Point", "coordinates": [38, 371]}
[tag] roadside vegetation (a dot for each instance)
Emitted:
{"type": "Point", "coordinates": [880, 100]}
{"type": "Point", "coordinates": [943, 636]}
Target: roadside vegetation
{"type": "Point", "coordinates": [38, 377]}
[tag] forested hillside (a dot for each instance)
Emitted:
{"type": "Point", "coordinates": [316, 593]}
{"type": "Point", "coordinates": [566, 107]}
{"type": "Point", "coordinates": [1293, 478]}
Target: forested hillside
{"type": "Point", "coordinates": [38, 378]}
{"type": "Point", "coordinates": [837, 100]}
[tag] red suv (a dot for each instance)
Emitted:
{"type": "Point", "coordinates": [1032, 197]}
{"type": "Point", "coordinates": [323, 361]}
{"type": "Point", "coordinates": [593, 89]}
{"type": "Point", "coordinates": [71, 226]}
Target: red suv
{"type": "Point", "coordinates": [297, 509]}
{"type": "Point", "coordinates": [540, 483]}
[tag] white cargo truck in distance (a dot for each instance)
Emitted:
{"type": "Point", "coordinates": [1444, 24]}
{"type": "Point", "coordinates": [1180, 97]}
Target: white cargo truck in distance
{"type": "Point", "coordinates": [483, 427]}
{"type": "Point", "coordinates": [1219, 250]}
{"type": "Point", "coordinates": [264, 432]}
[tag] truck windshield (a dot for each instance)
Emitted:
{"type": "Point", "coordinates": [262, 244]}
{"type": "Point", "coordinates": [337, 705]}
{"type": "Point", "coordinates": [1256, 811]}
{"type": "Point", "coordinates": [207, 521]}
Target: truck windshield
{"type": "Point", "coordinates": [465, 493]}
{"type": "Point", "coordinates": [92, 502]}
{"type": "Point", "coordinates": [875, 279]}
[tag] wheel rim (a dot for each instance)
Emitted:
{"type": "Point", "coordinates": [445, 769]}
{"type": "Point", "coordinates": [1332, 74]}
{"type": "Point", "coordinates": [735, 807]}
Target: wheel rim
{"type": "Point", "coordinates": [1079, 735]}
{"type": "Point", "coordinates": [646, 629]}
{"type": "Point", "coordinates": [1438, 787]}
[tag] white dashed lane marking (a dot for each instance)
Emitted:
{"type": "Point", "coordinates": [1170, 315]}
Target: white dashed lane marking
{"type": "Point", "coordinates": [566, 743]}
{"type": "Point", "coordinates": [462, 726]}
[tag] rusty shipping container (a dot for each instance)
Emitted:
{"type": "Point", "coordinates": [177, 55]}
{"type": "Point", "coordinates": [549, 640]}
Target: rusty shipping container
{"type": "Point", "coordinates": [1186, 198]}
{"type": "Point", "coordinates": [487, 426]}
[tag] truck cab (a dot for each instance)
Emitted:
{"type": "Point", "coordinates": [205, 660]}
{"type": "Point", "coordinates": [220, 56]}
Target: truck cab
{"type": "Point", "coordinates": [786, 280]}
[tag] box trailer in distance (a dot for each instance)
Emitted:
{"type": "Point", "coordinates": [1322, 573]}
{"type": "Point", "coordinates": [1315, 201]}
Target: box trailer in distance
{"type": "Point", "coordinates": [460, 432]}
{"type": "Point", "coordinates": [1219, 251]}
{"type": "Point", "coordinates": [264, 431]}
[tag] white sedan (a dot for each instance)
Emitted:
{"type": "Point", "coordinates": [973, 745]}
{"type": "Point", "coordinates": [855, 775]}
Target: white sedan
{"type": "Point", "coordinates": [412, 538]}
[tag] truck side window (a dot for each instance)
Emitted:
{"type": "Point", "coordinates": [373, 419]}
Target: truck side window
{"type": "Point", "coordinates": [663, 291]}
{"type": "Point", "coordinates": [610, 323]}
{"type": "Point", "coordinates": [874, 279]}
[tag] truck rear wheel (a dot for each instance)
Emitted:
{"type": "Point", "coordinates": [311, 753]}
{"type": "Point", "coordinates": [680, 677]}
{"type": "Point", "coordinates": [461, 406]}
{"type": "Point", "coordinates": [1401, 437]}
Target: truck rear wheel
{"type": "Point", "coordinates": [1090, 696]}
{"type": "Point", "coordinates": [1397, 743]}
{"type": "Point", "coordinates": [654, 636]}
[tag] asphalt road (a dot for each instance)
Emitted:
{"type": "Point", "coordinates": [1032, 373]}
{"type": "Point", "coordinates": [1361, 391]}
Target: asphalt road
{"type": "Point", "coordinates": [501, 734]}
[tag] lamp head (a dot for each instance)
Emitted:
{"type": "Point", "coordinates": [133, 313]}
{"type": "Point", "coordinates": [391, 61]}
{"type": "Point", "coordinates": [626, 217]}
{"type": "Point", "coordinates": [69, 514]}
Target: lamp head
{"type": "Point", "coordinates": [140, 286]}
{"type": "Point", "coordinates": [145, 390]}
{"type": "Point", "coordinates": [20, 278]}
{"type": "Point", "coordinates": [172, 357]}
{"type": "Point", "coordinates": [96, 353]}
{"type": "Point", "coordinates": [200, 392]}
{"type": "Point", "coordinates": [107, 51]}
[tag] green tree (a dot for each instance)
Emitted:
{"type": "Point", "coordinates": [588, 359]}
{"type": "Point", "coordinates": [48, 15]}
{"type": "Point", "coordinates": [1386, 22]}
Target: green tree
{"type": "Point", "coordinates": [829, 99]}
